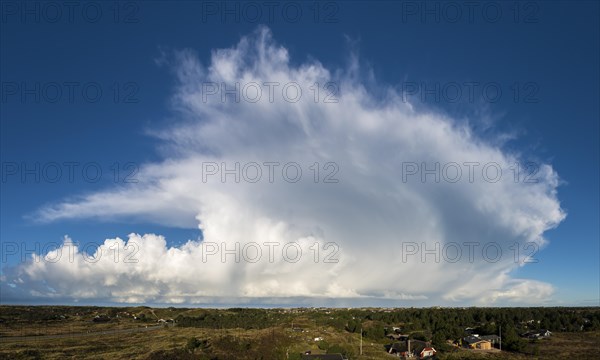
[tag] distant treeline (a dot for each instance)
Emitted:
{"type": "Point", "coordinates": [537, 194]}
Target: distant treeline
{"type": "Point", "coordinates": [50, 313]}
{"type": "Point", "coordinates": [232, 318]}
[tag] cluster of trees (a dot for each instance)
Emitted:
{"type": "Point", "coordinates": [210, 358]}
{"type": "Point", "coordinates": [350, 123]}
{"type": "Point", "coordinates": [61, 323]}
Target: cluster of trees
{"type": "Point", "coordinates": [554, 319]}
{"type": "Point", "coordinates": [452, 321]}
{"type": "Point", "coordinates": [37, 314]}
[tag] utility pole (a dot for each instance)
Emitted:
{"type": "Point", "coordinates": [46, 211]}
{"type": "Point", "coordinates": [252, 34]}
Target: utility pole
{"type": "Point", "coordinates": [361, 340]}
{"type": "Point", "coordinates": [500, 337]}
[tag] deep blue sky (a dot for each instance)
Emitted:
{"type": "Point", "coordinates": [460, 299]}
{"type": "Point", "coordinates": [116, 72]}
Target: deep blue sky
{"type": "Point", "coordinates": [552, 46]}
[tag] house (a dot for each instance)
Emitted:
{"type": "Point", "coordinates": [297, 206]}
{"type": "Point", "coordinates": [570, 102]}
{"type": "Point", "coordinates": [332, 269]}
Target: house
{"type": "Point", "coordinates": [476, 342]}
{"type": "Point", "coordinates": [323, 357]}
{"type": "Point", "coordinates": [426, 353]}
{"type": "Point", "coordinates": [494, 339]}
{"type": "Point", "coordinates": [408, 348]}
{"type": "Point", "coordinates": [398, 349]}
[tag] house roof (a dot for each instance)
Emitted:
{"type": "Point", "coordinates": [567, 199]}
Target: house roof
{"type": "Point", "coordinates": [471, 339]}
{"type": "Point", "coordinates": [490, 337]}
{"type": "Point", "coordinates": [415, 345]}
{"type": "Point", "coordinates": [474, 339]}
{"type": "Point", "coordinates": [398, 347]}
{"type": "Point", "coordinates": [418, 345]}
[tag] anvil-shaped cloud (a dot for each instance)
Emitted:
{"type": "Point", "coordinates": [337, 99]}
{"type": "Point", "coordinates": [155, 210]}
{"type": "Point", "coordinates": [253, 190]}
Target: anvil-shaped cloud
{"type": "Point", "coordinates": [377, 217]}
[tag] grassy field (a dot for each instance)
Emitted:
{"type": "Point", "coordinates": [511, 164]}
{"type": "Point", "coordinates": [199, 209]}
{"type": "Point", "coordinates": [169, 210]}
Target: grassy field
{"type": "Point", "coordinates": [71, 333]}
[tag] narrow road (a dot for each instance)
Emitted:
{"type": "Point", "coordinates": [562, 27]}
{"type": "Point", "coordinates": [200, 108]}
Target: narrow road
{"type": "Point", "coordinates": [6, 339]}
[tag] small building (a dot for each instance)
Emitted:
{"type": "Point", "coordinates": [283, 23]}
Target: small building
{"type": "Point", "coordinates": [408, 348]}
{"type": "Point", "coordinates": [396, 336]}
{"type": "Point", "coordinates": [476, 342]}
{"type": "Point", "coordinates": [426, 353]}
{"type": "Point", "coordinates": [481, 345]}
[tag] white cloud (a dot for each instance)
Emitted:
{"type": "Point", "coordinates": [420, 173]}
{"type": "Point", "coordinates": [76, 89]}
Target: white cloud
{"type": "Point", "coordinates": [371, 214]}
